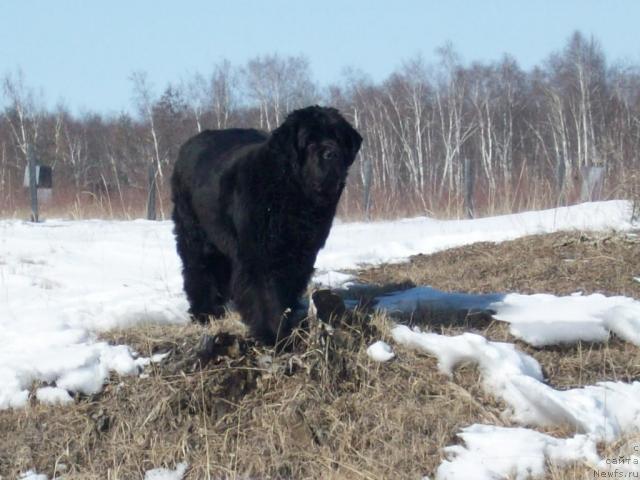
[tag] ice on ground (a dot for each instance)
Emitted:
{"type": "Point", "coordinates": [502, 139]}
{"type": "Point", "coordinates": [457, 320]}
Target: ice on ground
{"type": "Point", "coordinates": [493, 453]}
{"type": "Point", "coordinates": [540, 319]}
{"type": "Point", "coordinates": [380, 352]}
{"type": "Point", "coordinates": [430, 299]}
{"type": "Point", "coordinates": [167, 474]}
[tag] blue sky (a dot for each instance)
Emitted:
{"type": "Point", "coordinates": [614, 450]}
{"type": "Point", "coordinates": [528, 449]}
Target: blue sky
{"type": "Point", "coordinates": [83, 52]}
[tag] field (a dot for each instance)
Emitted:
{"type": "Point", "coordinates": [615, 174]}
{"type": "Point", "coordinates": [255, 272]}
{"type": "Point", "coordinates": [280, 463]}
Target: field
{"type": "Point", "coordinates": [322, 407]}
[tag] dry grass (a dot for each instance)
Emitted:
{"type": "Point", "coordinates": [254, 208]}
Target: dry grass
{"type": "Point", "coordinates": [322, 409]}
{"type": "Point", "coordinates": [560, 263]}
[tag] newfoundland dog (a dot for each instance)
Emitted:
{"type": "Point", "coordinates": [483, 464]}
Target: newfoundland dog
{"type": "Point", "coordinates": [251, 211]}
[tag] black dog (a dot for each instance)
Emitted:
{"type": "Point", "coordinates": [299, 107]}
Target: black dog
{"type": "Point", "coordinates": [251, 211]}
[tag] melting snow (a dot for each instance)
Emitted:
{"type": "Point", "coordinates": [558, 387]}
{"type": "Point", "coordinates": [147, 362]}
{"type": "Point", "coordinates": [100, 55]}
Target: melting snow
{"type": "Point", "coordinates": [31, 475]}
{"type": "Point", "coordinates": [540, 319]}
{"type": "Point", "coordinates": [167, 474]}
{"type": "Point", "coordinates": [495, 453]}
{"type": "Point", "coordinates": [63, 282]}
{"type": "Point", "coordinates": [601, 412]}
{"type": "Point", "coordinates": [353, 244]}
{"type": "Point", "coordinates": [380, 352]}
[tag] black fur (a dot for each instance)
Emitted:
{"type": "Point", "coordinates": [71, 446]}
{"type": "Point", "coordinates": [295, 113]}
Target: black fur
{"type": "Point", "coordinates": [251, 211]}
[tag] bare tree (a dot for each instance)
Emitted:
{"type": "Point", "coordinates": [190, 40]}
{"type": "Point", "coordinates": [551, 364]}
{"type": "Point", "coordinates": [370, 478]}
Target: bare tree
{"type": "Point", "coordinates": [223, 88]}
{"type": "Point", "coordinates": [442, 137]}
{"type": "Point", "coordinates": [143, 97]}
{"type": "Point", "coordinates": [278, 85]}
{"type": "Point", "coordinates": [23, 112]}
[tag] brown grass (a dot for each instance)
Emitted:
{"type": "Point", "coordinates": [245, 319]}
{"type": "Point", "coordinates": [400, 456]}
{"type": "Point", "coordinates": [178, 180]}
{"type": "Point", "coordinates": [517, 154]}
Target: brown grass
{"type": "Point", "coordinates": [322, 409]}
{"type": "Point", "coordinates": [560, 263]}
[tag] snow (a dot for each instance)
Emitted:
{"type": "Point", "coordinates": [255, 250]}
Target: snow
{"type": "Point", "coordinates": [604, 410]}
{"type": "Point", "coordinates": [498, 452]}
{"type": "Point", "coordinates": [32, 475]}
{"type": "Point", "coordinates": [353, 244]}
{"type": "Point", "coordinates": [601, 412]}
{"type": "Point", "coordinates": [380, 352]}
{"type": "Point", "coordinates": [333, 279]}
{"type": "Point", "coordinates": [167, 474]}
{"type": "Point", "coordinates": [53, 395]}
{"type": "Point", "coordinates": [62, 283]}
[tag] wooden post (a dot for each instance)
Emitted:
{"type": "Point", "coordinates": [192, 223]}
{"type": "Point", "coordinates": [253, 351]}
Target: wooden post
{"type": "Point", "coordinates": [151, 199]}
{"type": "Point", "coordinates": [33, 183]}
{"type": "Point", "coordinates": [468, 187]}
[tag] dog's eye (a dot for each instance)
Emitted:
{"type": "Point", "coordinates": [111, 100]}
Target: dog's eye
{"type": "Point", "coordinates": [330, 154]}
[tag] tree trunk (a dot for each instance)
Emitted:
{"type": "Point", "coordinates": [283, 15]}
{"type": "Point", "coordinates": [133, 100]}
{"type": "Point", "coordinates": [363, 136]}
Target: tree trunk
{"type": "Point", "coordinates": [151, 199]}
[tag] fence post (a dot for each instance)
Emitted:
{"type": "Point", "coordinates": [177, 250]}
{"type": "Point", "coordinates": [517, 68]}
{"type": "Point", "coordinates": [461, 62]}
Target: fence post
{"type": "Point", "coordinates": [33, 183]}
{"type": "Point", "coordinates": [468, 187]}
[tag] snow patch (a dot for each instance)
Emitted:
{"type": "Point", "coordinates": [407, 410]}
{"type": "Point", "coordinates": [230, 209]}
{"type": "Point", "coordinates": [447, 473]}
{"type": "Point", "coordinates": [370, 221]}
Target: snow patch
{"type": "Point", "coordinates": [545, 319]}
{"type": "Point", "coordinates": [601, 412]}
{"type": "Point", "coordinates": [334, 279]}
{"type": "Point", "coordinates": [32, 475]}
{"type": "Point", "coordinates": [605, 410]}
{"type": "Point", "coordinates": [61, 282]}
{"type": "Point", "coordinates": [167, 474]}
{"type": "Point", "coordinates": [540, 319]}
{"type": "Point", "coordinates": [380, 352]}
{"type": "Point", "coordinates": [353, 244]}
{"type": "Point", "coordinates": [491, 453]}
{"type": "Point", "coordinates": [53, 396]}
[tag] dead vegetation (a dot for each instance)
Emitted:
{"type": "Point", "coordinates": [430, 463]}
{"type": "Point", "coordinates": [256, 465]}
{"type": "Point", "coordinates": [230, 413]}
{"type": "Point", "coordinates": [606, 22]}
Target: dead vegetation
{"type": "Point", "coordinates": [320, 408]}
{"type": "Point", "coordinates": [560, 263]}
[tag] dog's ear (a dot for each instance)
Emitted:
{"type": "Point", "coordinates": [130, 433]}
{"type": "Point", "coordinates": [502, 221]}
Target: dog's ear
{"type": "Point", "coordinates": [283, 140]}
{"type": "Point", "coordinates": [289, 139]}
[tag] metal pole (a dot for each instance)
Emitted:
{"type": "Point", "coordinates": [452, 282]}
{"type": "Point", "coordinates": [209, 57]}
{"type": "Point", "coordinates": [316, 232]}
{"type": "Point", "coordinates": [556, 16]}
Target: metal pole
{"type": "Point", "coordinates": [33, 185]}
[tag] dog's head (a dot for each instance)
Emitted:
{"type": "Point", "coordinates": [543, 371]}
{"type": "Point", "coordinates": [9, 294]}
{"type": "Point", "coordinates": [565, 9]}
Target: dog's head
{"type": "Point", "coordinates": [321, 146]}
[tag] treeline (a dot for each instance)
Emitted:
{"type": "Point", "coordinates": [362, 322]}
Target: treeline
{"type": "Point", "coordinates": [440, 139]}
